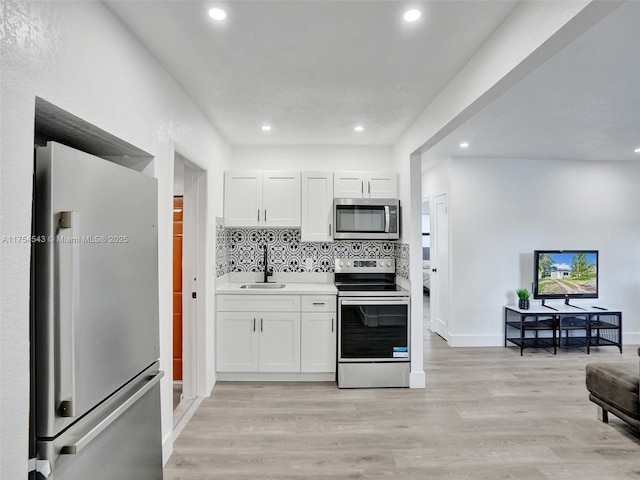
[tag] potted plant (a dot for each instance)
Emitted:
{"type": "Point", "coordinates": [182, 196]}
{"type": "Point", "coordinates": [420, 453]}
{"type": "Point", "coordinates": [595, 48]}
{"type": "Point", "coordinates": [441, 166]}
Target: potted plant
{"type": "Point", "coordinates": [523, 298]}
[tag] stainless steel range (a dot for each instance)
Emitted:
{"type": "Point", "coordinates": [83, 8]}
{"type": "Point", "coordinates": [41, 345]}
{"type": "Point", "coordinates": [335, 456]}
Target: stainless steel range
{"type": "Point", "coordinates": [373, 324]}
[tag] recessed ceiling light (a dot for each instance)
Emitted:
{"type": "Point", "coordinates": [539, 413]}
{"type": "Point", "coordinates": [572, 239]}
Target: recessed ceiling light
{"type": "Point", "coordinates": [412, 15]}
{"type": "Point", "coordinates": [359, 128]}
{"type": "Point", "coordinates": [217, 13]}
{"type": "Point", "coordinates": [637, 150]}
{"type": "Point", "coordinates": [266, 128]}
{"type": "Point", "coordinates": [464, 144]}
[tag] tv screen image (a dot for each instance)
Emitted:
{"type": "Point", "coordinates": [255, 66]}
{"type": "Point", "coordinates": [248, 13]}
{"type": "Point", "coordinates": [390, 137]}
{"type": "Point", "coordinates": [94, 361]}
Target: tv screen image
{"type": "Point", "coordinates": [565, 274]}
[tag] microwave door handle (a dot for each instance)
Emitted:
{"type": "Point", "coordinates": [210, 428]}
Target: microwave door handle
{"type": "Point", "coordinates": [387, 218]}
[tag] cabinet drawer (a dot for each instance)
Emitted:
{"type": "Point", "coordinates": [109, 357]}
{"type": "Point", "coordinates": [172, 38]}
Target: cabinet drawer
{"type": "Point", "coordinates": [262, 303]}
{"type": "Point", "coordinates": [318, 303]}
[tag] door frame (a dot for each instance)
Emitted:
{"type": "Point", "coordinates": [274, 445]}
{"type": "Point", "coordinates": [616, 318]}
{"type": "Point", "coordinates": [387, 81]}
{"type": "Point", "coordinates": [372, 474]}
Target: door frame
{"type": "Point", "coordinates": [194, 278]}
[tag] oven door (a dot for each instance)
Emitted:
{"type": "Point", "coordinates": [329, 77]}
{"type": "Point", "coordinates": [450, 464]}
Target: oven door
{"type": "Point", "coordinates": [373, 329]}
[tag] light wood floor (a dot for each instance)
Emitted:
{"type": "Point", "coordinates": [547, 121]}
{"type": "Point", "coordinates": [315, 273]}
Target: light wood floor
{"type": "Point", "coordinates": [486, 413]}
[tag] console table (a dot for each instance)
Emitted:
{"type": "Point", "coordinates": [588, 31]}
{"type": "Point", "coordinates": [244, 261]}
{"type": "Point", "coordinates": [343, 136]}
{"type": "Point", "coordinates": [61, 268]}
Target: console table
{"type": "Point", "coordinates": [564, 326]}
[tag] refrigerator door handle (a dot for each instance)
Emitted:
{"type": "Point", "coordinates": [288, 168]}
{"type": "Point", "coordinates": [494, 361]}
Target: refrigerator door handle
{"type": "Point", "coordinates": [83, 442]}
{"type": "Point", "coordinates": [68, 271]}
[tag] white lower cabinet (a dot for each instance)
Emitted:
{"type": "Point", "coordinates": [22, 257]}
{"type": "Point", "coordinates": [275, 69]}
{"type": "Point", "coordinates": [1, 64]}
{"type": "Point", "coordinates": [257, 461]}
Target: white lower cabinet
{"type": "Point", "coordinates": [275, 334]}
{"type": "Point", "coordinates": [319, 324]}
{"type": "Point", "coordinates": [237, 346]}
{"type": "Point", "coordinates": [255, 341]}
{"type": "Point", "coordinates": [279, 344]}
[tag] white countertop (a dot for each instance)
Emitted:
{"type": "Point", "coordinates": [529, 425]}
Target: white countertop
{"type": "Point", "coordinates": [234, 288]}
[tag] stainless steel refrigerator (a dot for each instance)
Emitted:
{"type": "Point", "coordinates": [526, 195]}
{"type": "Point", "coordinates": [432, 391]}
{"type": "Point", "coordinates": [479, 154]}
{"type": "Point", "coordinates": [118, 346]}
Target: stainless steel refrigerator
{"type": "Point", "coordinates": [94, 326]}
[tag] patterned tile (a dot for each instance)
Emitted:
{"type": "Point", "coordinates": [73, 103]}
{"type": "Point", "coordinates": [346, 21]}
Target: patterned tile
{"type": "Point", "coordinates": [240, 250]}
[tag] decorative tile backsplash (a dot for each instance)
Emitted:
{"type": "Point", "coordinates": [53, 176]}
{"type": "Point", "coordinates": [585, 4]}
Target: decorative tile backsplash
{"type": "Point", "coordinates": [241, 250]}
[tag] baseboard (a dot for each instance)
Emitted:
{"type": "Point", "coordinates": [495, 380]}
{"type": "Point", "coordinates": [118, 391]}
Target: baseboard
{"type": "Point", "coordinates": [417, 379]}
{"type": "Point", "coordinates": [275, 377]}
{"type": "Point", "coordinates": [484, 340]}
{"type": "Point", "coordinates": [630, 338]}
{"type": "Point", "coordinates": [167, 447]}
{"type": "Point", "coordinates": [177, 429]}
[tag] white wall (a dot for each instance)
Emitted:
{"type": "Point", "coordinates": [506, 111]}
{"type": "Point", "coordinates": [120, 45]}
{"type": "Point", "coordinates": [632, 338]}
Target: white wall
{"type": "Point", "coordinates": [532, 34]}
{"type": "Point", "coordinates": [501, 210]}
{"type": "Point", "coordinates": [313, 157]}
{"type": "Point", "coordinates": [77, 56]}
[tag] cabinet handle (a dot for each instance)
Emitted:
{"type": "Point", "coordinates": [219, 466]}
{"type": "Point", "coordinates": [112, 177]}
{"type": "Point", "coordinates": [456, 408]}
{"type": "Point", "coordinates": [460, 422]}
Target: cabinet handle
{"type": "Point", "coordinates": [254, 324]}
{"type": "Point", "coordinates": [318, 303]}
{"type": "Point", "coordinates": [261, 329]}
{"type": "Point", "coordinates": [258, 215]}
{"type": "Point", "coordinates": [362, 187]}
{"type": "Point", "coordinates": [369, 188]}
{"type": "Point", "coordinates": [332, 325]}
{"type": "Point", "coordinates": [330, 231]}
{"type": "Point", "coordinates": [265, 214]}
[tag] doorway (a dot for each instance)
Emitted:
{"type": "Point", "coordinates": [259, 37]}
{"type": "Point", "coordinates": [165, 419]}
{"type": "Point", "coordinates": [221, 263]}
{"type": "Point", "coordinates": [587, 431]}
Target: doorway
{"type": "Point", "coordinates": [177, 297]}
{"type": "Point", "coordinates": [440, 266]}
{"type": "Point", "coordinates": [189, 213]}
{"type": "Point", "coordinates": [426, 263]}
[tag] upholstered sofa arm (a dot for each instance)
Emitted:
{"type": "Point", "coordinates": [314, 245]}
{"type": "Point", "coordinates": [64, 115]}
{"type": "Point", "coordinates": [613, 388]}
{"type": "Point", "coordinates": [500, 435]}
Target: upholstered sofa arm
{"type": "Point", "coordinates": [616, 385]}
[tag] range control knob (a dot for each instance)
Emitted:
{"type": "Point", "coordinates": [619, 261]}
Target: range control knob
{"type": "Point", "coordinates": [388, 263]}
{"type": "Point", "coordinates": [341, 263]}
{"type": "Point", "coordinates": [348, 264]}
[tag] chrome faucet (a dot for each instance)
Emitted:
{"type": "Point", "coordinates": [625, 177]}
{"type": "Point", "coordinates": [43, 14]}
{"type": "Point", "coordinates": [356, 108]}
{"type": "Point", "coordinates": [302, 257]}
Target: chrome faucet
{"type": "Point", "coordinates": [267, 272]}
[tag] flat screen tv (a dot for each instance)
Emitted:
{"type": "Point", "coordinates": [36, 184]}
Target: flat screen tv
{"type": "Point", "coordinates": [565, 274]}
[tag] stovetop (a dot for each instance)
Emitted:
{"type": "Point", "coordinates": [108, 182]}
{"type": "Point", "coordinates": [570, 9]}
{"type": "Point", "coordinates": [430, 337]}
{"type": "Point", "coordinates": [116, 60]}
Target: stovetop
{"type": "Point", "coordinates": [367, 278]}
{"type": "Point", "coordinates": [370, 290]}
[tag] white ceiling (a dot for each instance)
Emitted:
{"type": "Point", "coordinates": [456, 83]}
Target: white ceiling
{"type": "Point", "coordinates": [582, 104]}
{"type": "Point", "coordinates": [315, 69]}
{"type": "Point", "coordinates": [312, 69]}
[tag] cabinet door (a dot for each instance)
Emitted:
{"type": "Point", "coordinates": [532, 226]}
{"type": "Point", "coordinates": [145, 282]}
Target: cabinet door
{"type": "Point", "coordinates": [279, 341]}
{"type": "Point", "coordinates": [381, 185]}
{"type": "Point", "coordinates": [348, 185]}
{"type": "Point", "coordinates": [237, 342]}
{"type": "Point", "coordinates": [281, 199]}
{"type": "Point", "coordinates": [318, 342]}
{"type": "Point", "coordinates": [317, 207]}
{"type": "Point", "coordinates": [243, 199]}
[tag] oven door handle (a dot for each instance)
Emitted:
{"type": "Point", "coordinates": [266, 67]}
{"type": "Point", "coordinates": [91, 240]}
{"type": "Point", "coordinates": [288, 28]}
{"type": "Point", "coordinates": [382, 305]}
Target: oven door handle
{"type": "Point", "coordinates": [386, 301]}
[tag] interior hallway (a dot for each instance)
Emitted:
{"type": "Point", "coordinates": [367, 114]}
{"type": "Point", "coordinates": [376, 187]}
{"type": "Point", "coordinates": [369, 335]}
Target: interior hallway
{"type": "Point", "coordinates": [486, 413]}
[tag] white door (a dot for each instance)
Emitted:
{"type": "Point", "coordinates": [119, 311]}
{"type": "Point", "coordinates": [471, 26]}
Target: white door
{"type": "Point", "coordinates": [242, 199]}
{"type": "Point", "coordinates": [318, 342]}
{"type": "Point", "coordinates": [194, 280]}
{"type": "Point", "coordinates": [317, 207]}
{"type": "Point", "coordinates": [440, 267]}
{"type": "Point", "coordinates": [281, 199]}
{"type": "Point", "coordinates": [279, 341]}
{"type": "Point", "coordinates": [348, 185]}
{"type": "Point", "coordinates": [382, 185]}
{"type": "Point", "coordinates": [237, 345]}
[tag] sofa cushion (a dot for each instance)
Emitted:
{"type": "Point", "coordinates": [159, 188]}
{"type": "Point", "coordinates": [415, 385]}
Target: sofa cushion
{"type": "Point", "coordinates": [615, 385]}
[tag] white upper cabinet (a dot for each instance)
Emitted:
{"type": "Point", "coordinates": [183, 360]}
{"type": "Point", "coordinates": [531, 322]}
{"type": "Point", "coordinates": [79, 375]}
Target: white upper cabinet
{"type": "Point", "coordinates": [365, 185]}
{"type": "Point", "coordinates": [262, 199]}
{"type": "Point", "coordinates": [317, 207]}
{"type": "Point", "coordinates": [382, 185]}
{"type": "Point", "coordinates": [281, 199]}
{"type": "Point", "coordinates": [348, 185]}
{"type": "Point", "coordinates": [242, 198]}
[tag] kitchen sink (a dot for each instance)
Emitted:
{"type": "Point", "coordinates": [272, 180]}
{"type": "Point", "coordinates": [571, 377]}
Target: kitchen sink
{"type": "Point", "coordinates": [263, 285]}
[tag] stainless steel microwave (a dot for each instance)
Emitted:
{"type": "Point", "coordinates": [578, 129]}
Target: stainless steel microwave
{"type": "Point", "coordinates": [366, 218]}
